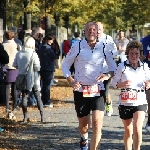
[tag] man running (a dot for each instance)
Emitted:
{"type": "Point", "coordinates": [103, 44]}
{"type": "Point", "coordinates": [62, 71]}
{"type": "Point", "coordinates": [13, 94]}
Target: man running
{"type": "Point", "coordinates": [106, 39]}
{"type": "Point", "coordinates": [88, 56]}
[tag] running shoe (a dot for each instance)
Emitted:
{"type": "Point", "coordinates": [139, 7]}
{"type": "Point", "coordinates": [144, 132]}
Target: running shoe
{"type": "Point", "coordinates": [84, 144]}
{"type": "Point", "coordinates": [109, 109]}
{"type": "Point", "coordinates": [147, 128]}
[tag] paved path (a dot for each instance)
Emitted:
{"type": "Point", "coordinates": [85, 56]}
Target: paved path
{"type": "Point", "coordinates": [60, 132]}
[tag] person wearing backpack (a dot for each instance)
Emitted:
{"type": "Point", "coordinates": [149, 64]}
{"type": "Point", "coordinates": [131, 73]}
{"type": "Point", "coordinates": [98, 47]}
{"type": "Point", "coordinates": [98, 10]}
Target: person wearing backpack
{"type": "Point", "coordinates": [133, 78]}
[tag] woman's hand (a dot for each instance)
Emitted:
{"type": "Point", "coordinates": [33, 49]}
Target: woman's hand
{"type": "Point", "coordinates": [125, 84]}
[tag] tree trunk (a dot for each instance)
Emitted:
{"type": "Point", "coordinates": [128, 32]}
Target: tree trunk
{"type": "Point", "coordinates": [27, 16]}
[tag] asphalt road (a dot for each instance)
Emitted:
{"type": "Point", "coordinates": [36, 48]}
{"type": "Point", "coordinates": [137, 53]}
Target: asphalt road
{"type": "Point", "coordinates": [60, 131]}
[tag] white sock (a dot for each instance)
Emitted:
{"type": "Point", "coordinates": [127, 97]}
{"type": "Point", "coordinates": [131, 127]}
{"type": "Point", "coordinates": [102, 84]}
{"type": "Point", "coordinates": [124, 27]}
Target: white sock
{"type": "Point", "coordinates": [85, 136]}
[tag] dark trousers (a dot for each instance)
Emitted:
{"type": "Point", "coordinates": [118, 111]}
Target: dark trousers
{"type": "Point", "coordinates": [2, 93]}
{"type": "Point", "coordinates": [25, 95]}
{"type": "Point", "coordinates": [46, 77]}
{"type": "Point", "coordinates": [11, 85]}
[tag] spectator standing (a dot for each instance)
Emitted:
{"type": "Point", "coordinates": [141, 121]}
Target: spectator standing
{"type": "Point", "coordinates": [2, 84]}
{"type": "Point", "coordinates": [68, 43]}
{"type": "Point", "coordinates": [37, 37]}
{"type": "Point", "coordinates": [62, 46]}
{"type": "Point", "coordinates": [14, 29]}
{"type": "Point", "coordinates": [4, 59]}
{"type": "Point", "coordinates": [11, 48]}
{"type": "Point", "coordinates": [67, 46]}
{"type": "Point", "coordinates": [132, 98]}
{"type": "Point", "coordinates": [21, 35]}
{"type": "Point", "coordinates": [121, 43]}
{"type": "Point", "coordinates": [21, 62]}
{"type": "Point", "coordinates": [56, 48]}
{"type": "Point", "coordinates": [47, 57]}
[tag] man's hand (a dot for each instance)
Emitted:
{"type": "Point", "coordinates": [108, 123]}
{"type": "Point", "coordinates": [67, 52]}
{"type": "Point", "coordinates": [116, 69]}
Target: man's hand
{"type": "Point", "coordinates": [102, 77]}
{"type": "Point", "coordinates": [76, 85]}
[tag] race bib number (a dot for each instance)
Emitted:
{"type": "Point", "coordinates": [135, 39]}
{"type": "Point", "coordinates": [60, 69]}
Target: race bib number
{"type": "Point", "coordinates": [129, 97]}
{"type": "Point", "coordinates": [90, 90]}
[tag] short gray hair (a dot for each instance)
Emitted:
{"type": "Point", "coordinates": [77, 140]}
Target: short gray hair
{"type": "Point", "coordinates": [90, 23]}
{"type": "Point", "coordinates": [14, 29]}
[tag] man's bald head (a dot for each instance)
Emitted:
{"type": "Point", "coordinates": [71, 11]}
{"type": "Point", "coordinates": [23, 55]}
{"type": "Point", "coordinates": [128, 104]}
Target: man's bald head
{"type": "Point", "coordinates": [100, 28]}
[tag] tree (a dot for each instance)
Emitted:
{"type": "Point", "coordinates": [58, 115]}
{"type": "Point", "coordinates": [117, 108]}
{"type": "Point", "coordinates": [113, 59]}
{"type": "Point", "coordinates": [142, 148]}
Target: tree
{"type": "Point", "coordinates": [113, 13]}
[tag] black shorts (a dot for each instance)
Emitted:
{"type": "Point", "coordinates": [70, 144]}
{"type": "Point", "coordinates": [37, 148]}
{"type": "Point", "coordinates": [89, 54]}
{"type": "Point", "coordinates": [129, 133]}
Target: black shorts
{"type": "Point", "coordinates": [83, 105]}
{"type": "Point", "coordinates": [126, 112]}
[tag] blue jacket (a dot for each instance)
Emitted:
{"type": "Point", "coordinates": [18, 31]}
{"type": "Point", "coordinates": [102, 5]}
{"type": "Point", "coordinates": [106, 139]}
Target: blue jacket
{"type": "Point", "coordinates": [47, 57]}
{"type": "Point", "coordinates": [146, 48]}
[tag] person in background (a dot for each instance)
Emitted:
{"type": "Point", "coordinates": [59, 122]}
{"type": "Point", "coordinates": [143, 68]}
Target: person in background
{"type": "Point", "coordinates": [106, 39]}
{"type": "Point", "coordinates": [11, 48]}
{"type": "Point", "coordinates": [47, 56]}
{"type": "Point", "coordinates": [146, 51]}
{"type": "Point", "coordinates": [132, 98]}
{"type": "Point", "coordinates": [56, 48]}
{"type": "Point", "coordinates": [35, 35]}
{"type": "Point", "coordinates": [4, 59]}
{"type": "Point", "coordinates": [121, 43]}
{"type": "Point", "coordinates": [14, 29]}
{"type": "Point", "coordinates": [62, 46]}
{"type": "Point", "coordinates": [3, 86]}
{"type": "Point", "coordinates": [21, 35]}
{"type": "Point", "coordinates": [67, 45]}
{"type": "Point", "coordinates": [21, 62]}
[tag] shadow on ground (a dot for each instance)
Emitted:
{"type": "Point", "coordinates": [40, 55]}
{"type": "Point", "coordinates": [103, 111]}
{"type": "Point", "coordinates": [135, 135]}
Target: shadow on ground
{"type": "Point", "coordinates": [46, 136]}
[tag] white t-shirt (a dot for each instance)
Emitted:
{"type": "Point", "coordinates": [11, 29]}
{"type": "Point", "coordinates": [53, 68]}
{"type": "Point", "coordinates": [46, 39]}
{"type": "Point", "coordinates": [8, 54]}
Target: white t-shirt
{"type": "Point", "coordinates": [89, 62]}
{"type": "Point", "coordinates": [106, 39]}
{"type": "Point", "coordinates": [137, 77]}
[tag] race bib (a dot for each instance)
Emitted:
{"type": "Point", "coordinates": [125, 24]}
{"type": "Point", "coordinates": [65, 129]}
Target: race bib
{"type": "Point", "coordinates": [128, 97]}
{"type": "Point", "coordinates": [90, 90]}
